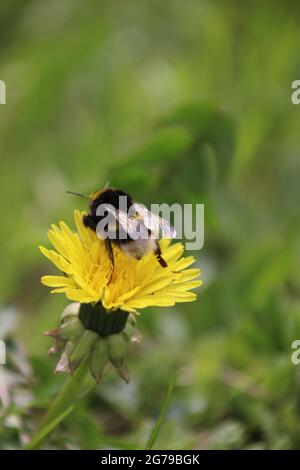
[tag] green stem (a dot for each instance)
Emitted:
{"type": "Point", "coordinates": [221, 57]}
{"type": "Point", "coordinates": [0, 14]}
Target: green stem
{"type": "Point", "coordinates": [163, 411]}
{"type": "Point", "coordinates": [65, 400]}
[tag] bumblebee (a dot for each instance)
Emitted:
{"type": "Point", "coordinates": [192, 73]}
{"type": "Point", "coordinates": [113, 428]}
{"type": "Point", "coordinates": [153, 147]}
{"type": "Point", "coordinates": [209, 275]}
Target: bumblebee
{"type": "Point", "coordinates": [136, 228]}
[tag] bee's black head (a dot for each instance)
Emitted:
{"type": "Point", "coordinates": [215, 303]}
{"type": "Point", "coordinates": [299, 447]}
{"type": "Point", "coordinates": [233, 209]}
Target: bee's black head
{"type": "Point", "coordinates": [109, 196]}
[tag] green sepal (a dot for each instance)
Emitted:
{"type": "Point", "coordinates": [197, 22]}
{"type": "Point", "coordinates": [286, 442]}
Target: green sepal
{"type": "Point", "coordinates": [69, 330]}
{"type": "Point", "coordinates": [117, 349]}
{"type": "Point", "coordinates": [82, 349]}
{"type": "Point", "coordinates": [99, 358]}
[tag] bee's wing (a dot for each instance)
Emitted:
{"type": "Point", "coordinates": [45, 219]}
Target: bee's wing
{"type": "Point", "coordinates": [153, 222]}
{"type": "Point", "coordinates": [132, 226]}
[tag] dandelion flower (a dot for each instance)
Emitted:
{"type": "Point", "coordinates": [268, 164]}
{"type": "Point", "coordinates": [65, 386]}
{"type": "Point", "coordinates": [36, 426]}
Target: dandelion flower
{"type": "Point", "coordinates": [135, 284]}
{"type": "Point", "coordinates": [109, 294]}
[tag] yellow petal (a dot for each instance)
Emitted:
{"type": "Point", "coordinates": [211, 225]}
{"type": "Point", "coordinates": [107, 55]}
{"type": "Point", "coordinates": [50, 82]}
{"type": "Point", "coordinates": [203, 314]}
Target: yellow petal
{"type": "Point", "coordinates": [84, 233]}
{"type": "Point", "coordinates": [58, 243]}
{"type": "Point", "coordinates": [173, 252]}
{"type": "Point", "coordinates": [59, 290]}
{"type": "Point", "coordinates": [57, 281]}
{"type": "Point", "coordinates": [188, 285]}
{"type": "Point", "coordinates": [188, 274]}
{"type": "Point", "coordinates": [59, 261]}
{"type": "Point", "coordinates": [183, 263]}
{"type": "Point", "coordinates": [156, 285]}
{"type": "Point", "coordinates": [78, 295]}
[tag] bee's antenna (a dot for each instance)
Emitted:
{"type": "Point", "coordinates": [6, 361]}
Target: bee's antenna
{"type": "Point", "coordinates": [77, 194]}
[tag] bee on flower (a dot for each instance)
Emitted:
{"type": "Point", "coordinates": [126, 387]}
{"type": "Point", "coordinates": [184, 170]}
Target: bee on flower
{"type": "Point", "coordinates": [109, 288]}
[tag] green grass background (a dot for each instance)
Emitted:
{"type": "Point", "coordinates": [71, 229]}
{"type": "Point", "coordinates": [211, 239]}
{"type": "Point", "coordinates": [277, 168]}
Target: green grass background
{"type": "Point", "coordinates": [172, 101]}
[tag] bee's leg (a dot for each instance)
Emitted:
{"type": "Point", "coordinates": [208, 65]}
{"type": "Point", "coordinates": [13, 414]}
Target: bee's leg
{"type": "Point", "coordinates": [160, 259]}
{"type": "Point", "coordinates": [110, 252]}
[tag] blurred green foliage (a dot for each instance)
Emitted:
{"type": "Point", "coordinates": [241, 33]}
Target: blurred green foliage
{"type": "Point", "coordinates": [173, 102]}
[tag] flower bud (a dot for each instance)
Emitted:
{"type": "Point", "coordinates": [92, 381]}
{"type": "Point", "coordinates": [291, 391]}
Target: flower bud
{"type": "Point", "coordinates": [99, 358]}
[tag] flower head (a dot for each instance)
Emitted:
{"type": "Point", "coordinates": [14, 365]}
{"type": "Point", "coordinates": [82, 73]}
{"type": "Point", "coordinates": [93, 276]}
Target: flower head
{"type": "Point", "coordinates": [101, 322]}
{"type": "Point", "coordinates": [88, 276]}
